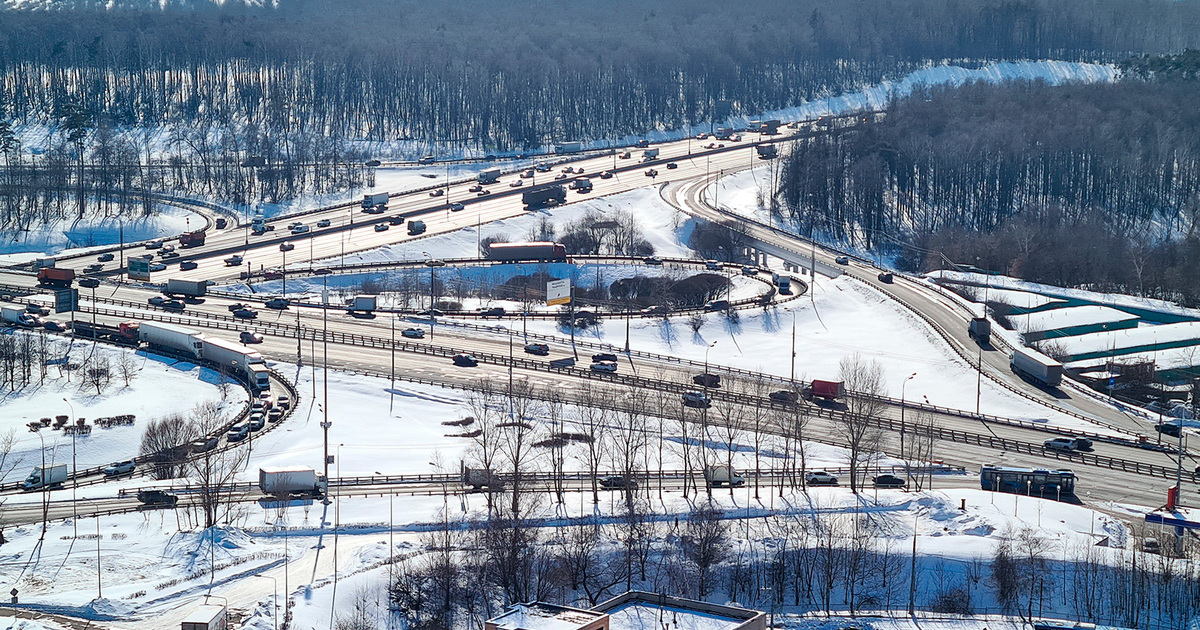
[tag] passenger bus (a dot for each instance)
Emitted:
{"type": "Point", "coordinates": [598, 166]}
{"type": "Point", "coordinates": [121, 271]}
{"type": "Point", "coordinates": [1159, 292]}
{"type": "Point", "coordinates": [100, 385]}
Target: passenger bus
{"type": "Point", "coordinates": [1037, 482]}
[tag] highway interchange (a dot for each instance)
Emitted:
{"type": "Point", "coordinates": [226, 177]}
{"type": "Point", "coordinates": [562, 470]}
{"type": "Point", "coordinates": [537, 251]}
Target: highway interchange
{"type": "Point", "coordinates": [365, 345]}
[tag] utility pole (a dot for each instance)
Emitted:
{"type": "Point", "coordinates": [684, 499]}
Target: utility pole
{"type": "Point", "coordinates": [325, 376]}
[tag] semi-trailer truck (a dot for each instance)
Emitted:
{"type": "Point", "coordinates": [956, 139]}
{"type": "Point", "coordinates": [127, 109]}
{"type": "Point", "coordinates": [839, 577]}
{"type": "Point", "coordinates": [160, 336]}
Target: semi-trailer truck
{"type": "Point", "coordinates": [826, 390]}
{"type": "Point", "coordinates": [189, 288]}
{"type": "Point", "coordinates": [1034, 365]}
{"type": "Point", "coordinates": [51, 476]}
{"type": "Point", "coordinates": [489, 176]}
{"type": "Point", "coordinates": [372, 200]}
{"type": "Point", "coordinates": [649, 154]}
{"type": "Point", "coordinates": [543, 196]}
{"type": "Point", "coordinates": [172, 337]}
{"type": "Point", "coordinates": [55, 277]}
{"type": "Point", "coordinates": [536, 250]}
{"type": "Point", "coordinates": [291, 481]}
{"type": "Point", "coordinates": [227, 354]}
{"type": "Point", "coordinates": [783, 282]}
{"type": "Point", "coordinates": [192, 239]}
{"type": "Point", "coordinates": [568, 147]}
{"type": "Point", "coordinates": [767, 151]}
{"type": "Point", "coordinates": [980, 329]}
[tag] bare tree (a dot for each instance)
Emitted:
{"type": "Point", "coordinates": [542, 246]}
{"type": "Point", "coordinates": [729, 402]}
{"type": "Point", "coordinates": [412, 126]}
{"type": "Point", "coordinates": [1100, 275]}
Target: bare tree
{"type": "Point", "coordinates": [165, 442]}
{"type": "Point", "coordinates": [213, 471]}
{"type": "Point", "coordinates": [705, 545]}
{"type": "Point", "coordinates": [127, 368]}
{"type": "Point", "coordinates": [858, 425]}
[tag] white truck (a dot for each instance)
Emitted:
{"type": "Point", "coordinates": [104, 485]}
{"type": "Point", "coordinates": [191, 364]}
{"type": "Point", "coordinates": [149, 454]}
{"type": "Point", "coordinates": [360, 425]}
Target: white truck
{"type": "Point", "coordinates": [190, 288]}
{"type": "Point", "coordinates": [48, 477]}
{"type": "Point", "coordinates": [207, 617]}
{"type": "Point", "coordinates": [1034, 365]}
{"type": "Point", "coordinates": [649, 154]}
{"type": "Point", "coordinates": [258, 224]}
{"type": "Point", "coordinates": [365, 303]}
{"type": "Point", "coordinates": [12, 315]}
{"type": "Point", "coordinates": [568, 147]}
{"type": "Point", "coordinates": [717, 476]}
{"type": "Point", "coordinates": [172, 337]}
{"type": "Point", "coordinates": [291, 480]}
{"type": "Point", "coordinates": [227, 354]}
{"type": "Point", "coordinates": [489, 176]}
{"type": "Point", "coordinates": [783, 282]}
{"type": "Point", "coordinates": [372, 200]}
{"type": "Point", "coordinates": [260, 376]}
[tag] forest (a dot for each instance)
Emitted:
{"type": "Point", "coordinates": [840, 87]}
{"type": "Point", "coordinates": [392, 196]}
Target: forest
{"type": "Point", "coordinates": [1092, 185]}
{"type": "Point", "coordinates": [511, 74]}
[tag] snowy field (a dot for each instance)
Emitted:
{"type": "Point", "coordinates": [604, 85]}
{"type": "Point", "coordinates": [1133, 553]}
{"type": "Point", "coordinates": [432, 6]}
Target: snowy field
{"type": "Point", "coordinates": [70, 235]}
{"type": "Point", "coordinates": [1069, 317]}
{"type": "Point", "coordinates": [158, 387]}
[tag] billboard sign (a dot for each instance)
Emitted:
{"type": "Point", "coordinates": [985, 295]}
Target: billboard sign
{"type": "Point", "coordinates": [139, 269]}
{"type": "Point", "coordinates": [558, 292]}
{"type": "Point", "coordinates": [66, 300]}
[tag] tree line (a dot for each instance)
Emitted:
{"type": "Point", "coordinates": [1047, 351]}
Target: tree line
{"type": "Point", "coordinates": [511, 74]}
{"type": "Point", "coordinates": [1069, 185]}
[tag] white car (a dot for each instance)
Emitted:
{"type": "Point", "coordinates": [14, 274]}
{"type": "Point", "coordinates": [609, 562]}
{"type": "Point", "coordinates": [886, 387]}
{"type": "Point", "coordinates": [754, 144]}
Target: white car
{"type": "Point", "coordinates": [157, 266]}
{"type": "Point", "coordinates": [820, 478]}
{"type": "Point", "coordinates": [324, 223]}
{"type": "Point", "coordinates": [606, 367]}
{"type": "Point", "coordinates": [300, 229]}
{"type": "Point", "coordinates": [516, 184]}
{"type": "Point", "coordinates": [413, 333]}
{"type": "Point", "coordinates": [119, 468]}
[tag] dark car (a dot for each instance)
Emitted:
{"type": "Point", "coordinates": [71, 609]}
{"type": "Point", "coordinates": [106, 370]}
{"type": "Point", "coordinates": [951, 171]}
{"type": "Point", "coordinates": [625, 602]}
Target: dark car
{"type": "Point", "coordinates": [672, 165]}
{"type": "Point", "coordinates": [603, 356]}
{"type": "Point", "coordinates": [245, 313]}
{"type": "Point", "coordinates": [885, 277]}
{"type": "Point", "coordinates": [617, 482]}
{"type": "Point", "coordinates": [89, 283]}
{"type": "Point", "coordinates": [396, 221]}
{"type": "Point", "coordinates": [783, 395]}
{"type": "Point", "coordinates": [455, 207]}
{"type": "Point", "coordinates": [93, 268]}
{"type": "Point", "coordinates": [188, 265]}
{"type": "Point", "coordinates": [495, 311]}
{"type": "Point", "coordinates": [653, 261]}
{"type": "Point", "coordinates": [889, 481]}
{"type": "Point", "coordinates": [174, 305]}
{"type": "Point", "coordinates": [54, 326]}
{"type": "Point", "coordinates": [157, 498]}
{"type": "Point", "coordinates": [539, 349]}
{"type": "Point", "coordinates": [707, 380]}
{"type": "Point", "coordinates": [465, 360]}
{"type": "Point", "coordinates": [249, 337]}
{"type": "Point", "coordinates": [437, 192]}
{"type": "Point", "coordinates": [105, 257]}
{"type": "Point", "coordinates": [1167, 428]}
{"type": "Point", "coordinates": [278, 304]}
{"type": "Point", "coordinates": [237, 306]}
{"type": "Point", "coordinates": [842, 260]}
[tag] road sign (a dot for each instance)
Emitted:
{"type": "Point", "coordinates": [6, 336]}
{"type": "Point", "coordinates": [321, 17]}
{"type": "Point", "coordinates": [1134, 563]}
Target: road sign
{"type": "Point", "coordinates": [558, 292]}
{"type": "Point", "coordinates": [66, 300]}
{"type": "Point", "coordinates": [139, 269]}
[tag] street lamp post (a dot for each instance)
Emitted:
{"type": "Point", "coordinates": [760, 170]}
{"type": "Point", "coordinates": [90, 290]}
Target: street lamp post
{"type": "Point", "coordinates": [275, 602]}
{"type": "Point", "coordinates": [704, 414]}
{"type": "Point", "coordinates": [74, 473]}
{"type": "Point", "coordinates": [907, 465]}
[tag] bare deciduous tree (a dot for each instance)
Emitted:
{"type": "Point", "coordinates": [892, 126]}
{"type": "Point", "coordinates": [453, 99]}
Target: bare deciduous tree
{"type": "Point", "coordinates": [857, 426]}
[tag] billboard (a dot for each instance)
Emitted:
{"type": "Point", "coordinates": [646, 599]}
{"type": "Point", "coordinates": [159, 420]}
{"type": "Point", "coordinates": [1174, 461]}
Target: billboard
{"type": "Point", "coordinates": [66, 300]}
{"type": "Point", "coordinates": [558, 292]}
{"type": "Point", "coordinates": [139, 269]}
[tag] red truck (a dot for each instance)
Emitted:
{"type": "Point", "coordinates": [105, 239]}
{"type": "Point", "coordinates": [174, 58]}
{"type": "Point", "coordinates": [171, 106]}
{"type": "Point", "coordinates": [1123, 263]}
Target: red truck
{"type": "Point", "coordinates": [826, 390]}
{"type": "Point", "coordinates": [192, 239]}
{"type": "Point", "coordinates": [55, 277]}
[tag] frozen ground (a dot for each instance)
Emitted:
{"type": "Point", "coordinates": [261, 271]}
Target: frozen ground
{"type": "Point", "coordinates": [158, 387]}
{"type": "Point", "coordinates": [69, 234]}
{"type": "Point", "coordinates": [1068, 317]}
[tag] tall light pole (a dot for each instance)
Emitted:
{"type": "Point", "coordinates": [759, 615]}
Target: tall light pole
{"type": "Point", "coordinates": [704, 415]}
{"type": "Point", "coordinates": [275, 608]}
{"type": "Point", "coordinates": [74, 472]}
{"type": "Point", "coordinates": [907, 467]}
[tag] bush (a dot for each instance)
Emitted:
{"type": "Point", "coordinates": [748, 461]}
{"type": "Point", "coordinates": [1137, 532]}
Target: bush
{"type": "Point", "coordinates": [952, 601]}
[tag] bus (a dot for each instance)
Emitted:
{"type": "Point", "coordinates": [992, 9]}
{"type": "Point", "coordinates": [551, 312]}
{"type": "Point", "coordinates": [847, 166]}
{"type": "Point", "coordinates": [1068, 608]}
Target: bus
{"type": "Point", "coordinates": [1037, 482]}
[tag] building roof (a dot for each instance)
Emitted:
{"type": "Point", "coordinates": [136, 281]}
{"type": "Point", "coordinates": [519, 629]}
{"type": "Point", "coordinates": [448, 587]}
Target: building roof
{"type": "Point", "coordinates": [541, 616]}
{"type": "Point", "coordinates": [641, 615]}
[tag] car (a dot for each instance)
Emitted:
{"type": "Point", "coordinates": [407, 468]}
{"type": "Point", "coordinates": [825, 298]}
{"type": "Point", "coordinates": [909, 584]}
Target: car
{"type": "Point", "coordinates": [286, 247]}
{"type": "Point", "coordinates": [651, 173]}
{"type": "Point", "coordinates": [713, 265]}
{"type": "Point", "coordinates": [237, 432]}
{"type": "Point", "coordinates": [237, 306]}
{"type": "Point", "coordinates": [560, 176]}
{"type": "Point", "coordinates": [494, 311]}
{"type": "Point", "coordinates": [324, 223]}
{"type": "Point", "coordinates": [434, 262]}
{"type": "Point", "coordinates": [842, 260]}
{"type": "Point", "coordinates": [300, 229]}
{"type": "Point", "coordinates": [625, 155]}
{"type": "Point", "coordinates": [820, 478]}
{"type": "Point", "coordinates": [278, 304]}
{"type": "Point", "coordinates": [657, 309]}
{"type": "Point", "coordinates": [233, 261]}
{"type": "Point", "coordinates": [89, 283]}
{"type": "Point", "coordinates": [119, 468]}
{"type": "Point", "coordinates": [432, 312]}
{"type": "Point", "coordinates": [266, 398]}
{"type": "Point", "coordinates": [885, 277]}
{"type": "Point", "coordinates": [568, 169]}
{"type": "Point", "coordinates": [283, 402]}
{"type": "Point", "coordinates": [606, 367]}
{"type": "Point", "coordinates": [246, 313]}
{"type": "Point", "coordinates": [157, 300]}
{"type": "Point", "coordinates": [527, 173]}
{"type": "Point", "coordinates": [258, 406]}
{"type": "Point", "coordinates": [166, 249]}
{"type": "Point", "coordinates": [275, 415]}
{"type": "Point", "coordinates": [539, 349]}
{"type": "Point", "coordinates": [783, 395]}
{"type": "Point", "coordinates": [542, 168]}
{"type": "Point", "coordinates": [475, 188]}
{"type": "Point", "coordinates": [188, 265]}
{"type": "Point", "coordinates": [105, 257]}
{"type": "Point", "coordinates": [377, 209]}
{"type": "Point", "coordinates": [258, 421]}
{"type": "Point", "coordinates": [428, 159]}
{"type": "Point", "coordinates": [1083, 444]}
{"type": "Point", "coordinates": [381, 227]}
{"type": "Point", "coordinates": [1167, 428]}
{"type": "Point", "coordinates": [1065, 445]}
{"type": "Point", "coordinates": [1151, 545]}
{"type": "Point", "coordinates": [169, 255]}
{"type": "Point", "coordinates": [617, 482]}
{"type": "Point", "coordinates": [696, 399]}
{"type": "Point", "coordinates": [173, 305]}
{"type": "Point", "coordinates": [372, 163]}
{"type": "Point", "coordinates": [93, 268]}
{"type": "Point", "coordinates": [157, 498]}
{"type": "Point", "coordinates": [653, 261]}
{"type": "Point", "coordinates": [889, 481]}
{"type": "Point", "coordinates": [717, 305]}
{"type": "Point", "coordinates": [397, 220]}
{"type": "Point", "coordinates": [606, 175]}
{"type": "Point", "coordinates": [465, 360]}
{"type": "Point", "coordinates": [707, 380]}
{"type": "Point", "coordinates": [437, 192]}
{"type": "Point", "coordinates": [249, 337]}
{"type": "Point", "coordinates": [749, 271]}
{"type": "Point", "coordinates": [456, 206]}
{"type": "Point", "coordinates": [54, 326]}
{"type": "Point", "coordinates": [413, 333]}
{"type": "Point", "coordinates": [483, 193]}
{"type": "Point", "coordinates": [322, 271]}
{"type": "Point", "coordinates": [672, 165]}
{"type": "Point", "coordinates": [154, 245]}
{"type": "Point", "coordinates": [516, 183]}
{"type": "Point", "coordinates": [157, 267]}
{"type": "Point", "coordinates": [603, 356]}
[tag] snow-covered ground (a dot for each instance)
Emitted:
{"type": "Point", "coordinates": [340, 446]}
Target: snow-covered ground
{"type": "Point", "coordinates": [1069, 317]}
{"type": "Point", "coordinates": [158, 387]}
{"type": "Point", "coordinates": [69, 235]}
